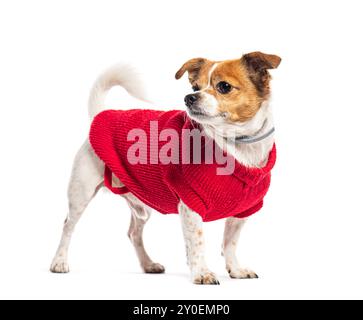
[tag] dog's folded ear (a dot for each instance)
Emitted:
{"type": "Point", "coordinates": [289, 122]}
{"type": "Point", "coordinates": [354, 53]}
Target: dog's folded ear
{"type": "Point", "coordinates": [258, 61]}
{"type": "Point", "coordinates": [193, 67]}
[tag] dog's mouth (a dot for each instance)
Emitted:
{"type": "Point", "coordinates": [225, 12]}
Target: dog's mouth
{"type": "Point", "coordinates": [194, 111]}
{"type": "Point", "coordinates": [201, 116]}
{"type": "Point", "coordinates": [198, 116]}
{"type": "Point", "coordinates": [197, 113]}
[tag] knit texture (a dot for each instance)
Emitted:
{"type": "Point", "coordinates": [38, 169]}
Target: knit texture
{"type": "Point", "coordinates": [162, 186]}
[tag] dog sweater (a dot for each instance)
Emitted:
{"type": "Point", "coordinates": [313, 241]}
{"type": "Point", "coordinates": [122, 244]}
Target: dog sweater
{"type": "Point", "coordinates": [162, 186]}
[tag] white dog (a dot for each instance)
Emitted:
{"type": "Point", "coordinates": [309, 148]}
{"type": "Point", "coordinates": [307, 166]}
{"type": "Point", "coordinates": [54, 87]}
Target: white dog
{"type": "Point", "coordinates": [230, 105]}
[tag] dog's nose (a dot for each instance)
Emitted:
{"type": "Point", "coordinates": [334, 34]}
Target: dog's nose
{"type": "Point", "coordinates": [190, 99]}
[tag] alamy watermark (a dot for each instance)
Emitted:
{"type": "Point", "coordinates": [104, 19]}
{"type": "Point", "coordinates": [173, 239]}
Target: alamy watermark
{"type": "Point", "coordinates": [196, 148]}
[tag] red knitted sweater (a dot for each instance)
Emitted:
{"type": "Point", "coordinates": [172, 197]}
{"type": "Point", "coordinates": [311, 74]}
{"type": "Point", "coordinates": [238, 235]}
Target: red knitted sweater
{"type": "Point", "coordinates": [161, 186]}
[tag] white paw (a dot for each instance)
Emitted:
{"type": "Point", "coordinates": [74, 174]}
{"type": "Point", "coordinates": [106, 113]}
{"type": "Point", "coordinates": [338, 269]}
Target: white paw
{"type": "Point", "coordinates": [241, 273]}
{"type": "Point", "coordinates": [205, 278]}
{"type": "Point", "coordinates": [59, 266]}
{"type": "Point", "coordinates": [154, 268]}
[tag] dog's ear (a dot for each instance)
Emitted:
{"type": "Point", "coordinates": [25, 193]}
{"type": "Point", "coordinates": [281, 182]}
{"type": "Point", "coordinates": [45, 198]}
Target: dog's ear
{"type": "Point", "coordinates": [193, 67]}
{"type": "Point", "coordinates": [258, 61]}
{"type": "Point", "coordinates": [257, 64]}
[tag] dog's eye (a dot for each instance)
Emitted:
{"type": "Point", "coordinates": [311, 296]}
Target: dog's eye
{"type": "Point", "coordinates": [224, 87]}
{"type": "Point", "coordinates": [195, 88]}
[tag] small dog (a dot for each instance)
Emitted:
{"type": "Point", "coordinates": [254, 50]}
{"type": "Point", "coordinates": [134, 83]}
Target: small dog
{"type": "Point", "coordinates": [229, 105]}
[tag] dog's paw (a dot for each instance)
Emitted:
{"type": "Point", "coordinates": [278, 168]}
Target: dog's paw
{"type": "Point", "coordinates": [242, 273]}
{"type": "Point", "coordinates": [59, 266]}
{"type": "Point", "coordinates": [205, 278]}
{"type": "Point", "coordinates": [154, 268]}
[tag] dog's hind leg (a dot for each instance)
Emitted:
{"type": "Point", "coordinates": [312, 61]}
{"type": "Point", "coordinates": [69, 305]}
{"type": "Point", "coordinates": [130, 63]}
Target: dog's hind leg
{"type": "Point", "coordinates": [140, 214]}
{"type": "Point", "coordinates": [86, 179]}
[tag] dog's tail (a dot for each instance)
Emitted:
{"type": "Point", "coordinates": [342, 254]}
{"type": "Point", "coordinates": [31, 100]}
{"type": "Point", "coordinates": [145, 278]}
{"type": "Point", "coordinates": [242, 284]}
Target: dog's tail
{"type": "Point", "coordinates": [118, 75]}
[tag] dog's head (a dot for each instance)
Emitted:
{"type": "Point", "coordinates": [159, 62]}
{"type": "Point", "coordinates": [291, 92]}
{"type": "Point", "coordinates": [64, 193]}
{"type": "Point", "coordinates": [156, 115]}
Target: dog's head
{"type": "Point", "coordinates": [229, 91]}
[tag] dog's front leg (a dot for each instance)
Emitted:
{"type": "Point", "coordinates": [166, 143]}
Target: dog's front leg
{"type": "Point", "coordinates": [194, 241]}
{"type": "Point", "coordinates": [231, 235]}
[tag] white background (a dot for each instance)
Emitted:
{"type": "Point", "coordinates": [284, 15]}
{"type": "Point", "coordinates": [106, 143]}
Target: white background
{"type": "Point", "coordinates": [307, 240]}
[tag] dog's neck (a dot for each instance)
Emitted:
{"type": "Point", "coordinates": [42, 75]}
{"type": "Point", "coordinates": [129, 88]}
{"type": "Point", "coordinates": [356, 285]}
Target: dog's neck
{"type": "Point", "coordinates": [253, 154]}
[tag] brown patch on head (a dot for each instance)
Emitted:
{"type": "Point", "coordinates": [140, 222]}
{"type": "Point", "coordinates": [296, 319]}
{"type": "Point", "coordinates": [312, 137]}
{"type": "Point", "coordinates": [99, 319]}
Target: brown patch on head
{"type": "Point", "coordinates": [200, 233]}
{"type": "Point", "coordinates": [247, 77]}
{"type": "Point", "coordinates": [198, 70]}
{"type": "Point", "coordinates": [243, 101]}
{"type": "Point", "coordinates": [249, 81]}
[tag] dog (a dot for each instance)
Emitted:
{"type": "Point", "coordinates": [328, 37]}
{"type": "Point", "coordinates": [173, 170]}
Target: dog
{"type": "Point", "coordinates": [230, 105]}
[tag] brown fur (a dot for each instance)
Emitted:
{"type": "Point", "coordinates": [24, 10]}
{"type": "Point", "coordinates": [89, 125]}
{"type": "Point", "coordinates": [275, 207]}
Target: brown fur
{"type": "Point", "coordinates": [198, 69]}
{"type": "Point", "coordinates": [248, 76]}
{"type": "Point", "coordinates": [243, 101]}
{"type": "Point", "coordinates": [257, 64]}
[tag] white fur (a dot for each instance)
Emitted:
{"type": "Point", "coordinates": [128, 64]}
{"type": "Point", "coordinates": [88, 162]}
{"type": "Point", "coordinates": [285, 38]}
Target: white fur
{"type": "Point", "coordinates": [207, 101]}
{"type": "Point", "coordinates": [192, 224]}
{"type": "Point", "coordinates": [119, 75]}
{"type": "Point", "coordinates": [231, 235]}
{"type": "Point", "coordinates": [248, 154]}
{"type": "Point", "coordinates": [140, 215]}
{"type": "Point", "coordinates": [210, 101]}
{"type": "Point", "coordinates": [87, 178]}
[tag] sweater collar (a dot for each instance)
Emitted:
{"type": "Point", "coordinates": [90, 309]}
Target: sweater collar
{"type": "Point", "coordinates": [253, 176]}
